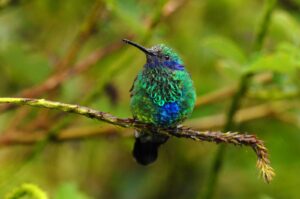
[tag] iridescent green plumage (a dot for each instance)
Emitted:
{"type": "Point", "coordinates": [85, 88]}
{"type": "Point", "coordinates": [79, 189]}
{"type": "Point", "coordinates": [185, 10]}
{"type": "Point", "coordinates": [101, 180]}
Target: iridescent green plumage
{"type": "Point", "coordinates": [163, 95]}
{"type": "Point", "coordinates": [154, 88]}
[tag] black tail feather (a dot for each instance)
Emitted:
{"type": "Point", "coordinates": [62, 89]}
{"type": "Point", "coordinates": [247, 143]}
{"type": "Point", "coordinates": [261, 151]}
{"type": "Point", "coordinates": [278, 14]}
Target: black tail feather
{"type": "Point", "coordinates": [145, 150]}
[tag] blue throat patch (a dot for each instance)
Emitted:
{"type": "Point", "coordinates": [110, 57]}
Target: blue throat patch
{"type": "Point", "coordinates": [169, 64]}
{"type": "Point", "coordinates": [173, 65]}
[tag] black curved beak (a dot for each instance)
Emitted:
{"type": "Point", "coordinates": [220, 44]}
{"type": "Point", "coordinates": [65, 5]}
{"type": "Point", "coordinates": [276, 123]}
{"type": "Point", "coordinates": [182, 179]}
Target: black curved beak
{"type": "Point", "coordinates": [142, 48]}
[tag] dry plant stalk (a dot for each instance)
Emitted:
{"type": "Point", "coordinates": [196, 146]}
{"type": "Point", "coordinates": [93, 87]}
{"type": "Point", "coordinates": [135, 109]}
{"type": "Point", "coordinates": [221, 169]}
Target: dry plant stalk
{"type": "Point", "coordinates": [263, 162]}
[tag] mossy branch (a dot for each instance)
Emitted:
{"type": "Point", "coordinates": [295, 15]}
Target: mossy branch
{"type": "Point", "coordinates": [234, 138]}
{"type": "Point", "coordinates": [27, 189]}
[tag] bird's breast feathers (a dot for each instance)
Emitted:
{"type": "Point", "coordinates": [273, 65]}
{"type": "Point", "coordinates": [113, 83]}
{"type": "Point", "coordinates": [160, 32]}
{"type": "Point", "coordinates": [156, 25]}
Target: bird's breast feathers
{"type": "Point", "coordinates": [163, 97]}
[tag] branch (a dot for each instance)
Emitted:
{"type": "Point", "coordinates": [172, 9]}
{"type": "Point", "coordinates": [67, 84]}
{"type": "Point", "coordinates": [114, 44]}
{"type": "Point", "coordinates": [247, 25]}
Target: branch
{"type": "Point", "coordinates": [15, 137]}
{"type": "Point", "coordinates": [256, 144]}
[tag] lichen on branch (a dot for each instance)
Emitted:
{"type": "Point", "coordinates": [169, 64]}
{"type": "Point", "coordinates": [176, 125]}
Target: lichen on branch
{"type": "Point", "coordinates": [235, 138]}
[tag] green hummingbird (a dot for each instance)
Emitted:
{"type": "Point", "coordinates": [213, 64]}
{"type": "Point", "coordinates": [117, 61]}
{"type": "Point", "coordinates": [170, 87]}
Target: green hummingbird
{"type": "Point", "coordinates": [162, 95]}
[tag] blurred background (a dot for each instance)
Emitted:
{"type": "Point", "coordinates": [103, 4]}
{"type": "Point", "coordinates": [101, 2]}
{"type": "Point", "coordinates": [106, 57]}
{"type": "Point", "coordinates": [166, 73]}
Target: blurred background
{"type": "Point", "coordinates": [71, 51]}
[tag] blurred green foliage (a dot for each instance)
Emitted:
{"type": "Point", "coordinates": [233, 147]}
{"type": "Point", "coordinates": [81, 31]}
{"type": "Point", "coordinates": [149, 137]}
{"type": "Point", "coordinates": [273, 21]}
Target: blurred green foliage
{"type": "Point", "coordinates": [215, 40]}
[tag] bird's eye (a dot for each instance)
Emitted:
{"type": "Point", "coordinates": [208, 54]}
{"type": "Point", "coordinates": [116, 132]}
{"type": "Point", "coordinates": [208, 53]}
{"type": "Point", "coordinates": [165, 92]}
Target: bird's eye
{"type": "Point", "coordinates": [167, 57]}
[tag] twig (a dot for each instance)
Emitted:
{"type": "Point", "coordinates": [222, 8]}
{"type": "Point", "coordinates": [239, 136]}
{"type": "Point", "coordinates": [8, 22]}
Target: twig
{"type": "Point", "coordinates": [263, 162]}
{"type": "Point", "coordinates": [257, 145]}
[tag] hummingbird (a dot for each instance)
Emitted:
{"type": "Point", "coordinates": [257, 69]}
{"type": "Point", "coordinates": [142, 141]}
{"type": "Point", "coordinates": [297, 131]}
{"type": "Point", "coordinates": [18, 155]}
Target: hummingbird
{"type": "Point", "coordinates": [162, 95]}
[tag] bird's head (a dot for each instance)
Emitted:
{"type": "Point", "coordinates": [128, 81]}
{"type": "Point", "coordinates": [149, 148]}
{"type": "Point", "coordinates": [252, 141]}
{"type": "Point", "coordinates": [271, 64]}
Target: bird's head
{"type": "Point", "coordinates": [159, 56]}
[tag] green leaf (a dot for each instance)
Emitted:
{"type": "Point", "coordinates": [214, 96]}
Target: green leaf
{"type": "Point", "coordinates": [229, 69]}
{"type": "Point", "coordinates": [284, 60]}
{"type": "Point", "coordinates": [284, 23]}
{"type": "Point", "coordinates": [224, 48]}
{"type": "Point", "coordinates": [24, 66]}
{"type": "Point", "coordinates": [69, 190]}
{"type": "Point", "coordinates": [127, 11]}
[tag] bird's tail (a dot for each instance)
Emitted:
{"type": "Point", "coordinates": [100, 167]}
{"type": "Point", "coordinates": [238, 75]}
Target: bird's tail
{"type": "Point", "coordinates": [146, 145]}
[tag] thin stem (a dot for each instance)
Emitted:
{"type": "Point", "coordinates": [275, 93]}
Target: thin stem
{"type": "Point", "coordinates": [264, 25]}
{"type": "Point", "coordinates": [234, 138]}
{"type": "Point", "coordinates": [236, 101]}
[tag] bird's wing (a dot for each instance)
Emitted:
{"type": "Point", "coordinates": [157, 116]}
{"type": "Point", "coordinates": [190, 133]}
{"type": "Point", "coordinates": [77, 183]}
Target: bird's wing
{"type": "Point", "coordinates": [132, 87]}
